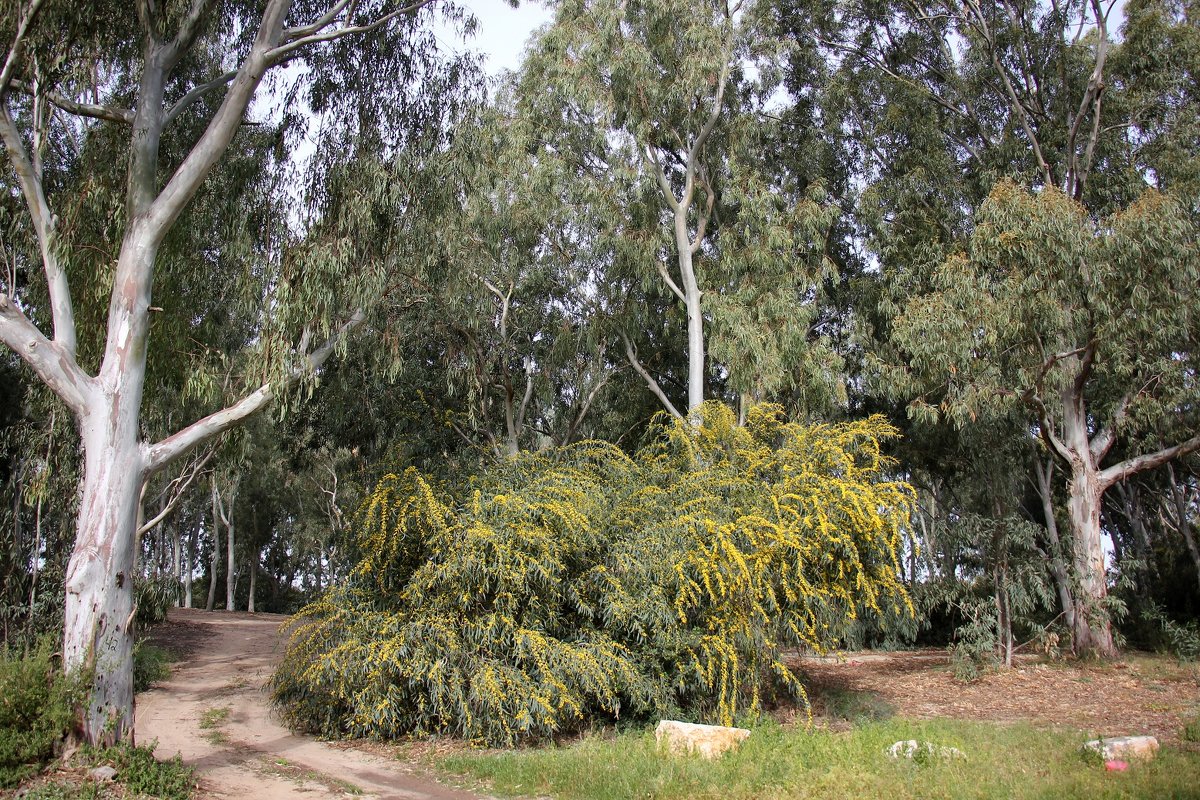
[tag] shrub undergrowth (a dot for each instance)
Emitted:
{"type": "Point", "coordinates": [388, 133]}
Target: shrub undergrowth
{"type": "Point", "coordinates": [37, 709]}
{"type": "Point", "coordinates": [582, 584]}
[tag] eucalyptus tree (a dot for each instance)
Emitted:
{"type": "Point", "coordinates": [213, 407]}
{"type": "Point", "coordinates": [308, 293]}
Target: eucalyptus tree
{"type": "Point", "coordinates": [944, 100]}
{"type": "Point", "coordinates": [133, 77]}
{"type": "Point", "coordinates": [658, 100]}
{"type": "Point", "coordinates": [1011, 324]}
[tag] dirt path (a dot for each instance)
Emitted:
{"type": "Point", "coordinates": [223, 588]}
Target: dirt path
{"type": "Point", "coordinates": [215, 712]}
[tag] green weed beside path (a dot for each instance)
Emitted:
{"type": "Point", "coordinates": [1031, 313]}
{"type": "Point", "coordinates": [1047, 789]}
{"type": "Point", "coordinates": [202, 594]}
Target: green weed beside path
{"type": "Point", "coordinates": [1015, 761]}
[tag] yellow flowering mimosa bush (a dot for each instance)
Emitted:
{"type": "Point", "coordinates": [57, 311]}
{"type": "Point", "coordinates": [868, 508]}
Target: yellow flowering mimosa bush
{"type": "Point", "coordinates": [582, 584]}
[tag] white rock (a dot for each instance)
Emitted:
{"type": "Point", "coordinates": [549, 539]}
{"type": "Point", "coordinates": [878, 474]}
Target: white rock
{"type": "Point", "coordinates": [102, 774]}
{"type": "Point", "coordinates": [911, 748]}
{"type": "Point", "coordinates": [1124, 747]}
{"type": "Point", "coordinates": [708, 741]}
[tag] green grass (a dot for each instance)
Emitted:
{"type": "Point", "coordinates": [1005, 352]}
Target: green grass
{"type": "Point", "coordinates": [1002, 762]}
{"type": "Point", "coordinates": [211, 721]}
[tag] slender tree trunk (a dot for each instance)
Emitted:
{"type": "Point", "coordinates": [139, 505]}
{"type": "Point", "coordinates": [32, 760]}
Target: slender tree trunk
{"type": "Point", "coordinates": [1180, 500]}
{"type": "Point", "coordinates": [189, 565]}
{"type": "Point", "coordinates": [695, 315]}
{"type": "Point", "coordinates": [216, 549]}
{"type": "Point", "coordinates": [230, 567]}
{"type": "Point", "coordinates": [1058, 567]}
{"type": "Point", "coordinates": [176, 557]}
{"type": "Point", "coordinates": [253, 576]}
{"type": "Point", "coordinates": [320, 567]}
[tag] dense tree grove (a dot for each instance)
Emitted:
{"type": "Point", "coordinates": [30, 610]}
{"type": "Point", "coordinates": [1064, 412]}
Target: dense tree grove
{"type": "Point", "coordinates": [264, 262]}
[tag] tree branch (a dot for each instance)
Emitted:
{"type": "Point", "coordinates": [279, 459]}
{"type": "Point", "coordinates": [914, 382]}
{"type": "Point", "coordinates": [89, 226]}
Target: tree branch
{"type": "Point", "coordinates": [281, 53]}
{"type": "Point", "coordinates": [61, 307]}
{"type": "Point", "coordinates": [123, 116]}
{"type": "Point", "coordinates": [177, 488]}
{"type": "Point", "coordinates": [164, 452]}
{"type": "Point", "coordinates": [1132, 466]}
{"type": "Point", "coordinates": [212, 144]}
{"type": "Point", "coordinates": [631, 354]}
{"type": "Point", "coordinates": [14, 51]}
{"type": "Point", "coordinates": [1103, 441]}
{"type": "Point", "coordinates": [56, 367]}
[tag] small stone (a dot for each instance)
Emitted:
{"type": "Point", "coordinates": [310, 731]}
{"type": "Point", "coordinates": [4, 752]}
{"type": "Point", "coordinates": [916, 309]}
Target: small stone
{"type": "Point", "coordinates": [911, 748]}
{"type": "Point", "coordinates": [707, 741]}
{"type": "Point", "coordinates": [1121, 748]}
{"type": "Point", "coordinates": [102, 774]}
{"type": "Point", "coordinates": [1116, 766]}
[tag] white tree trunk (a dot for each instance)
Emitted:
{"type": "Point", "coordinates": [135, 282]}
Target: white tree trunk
{"type": "Point", "coordinates": [230, 567]}
{"type": "Point", "coordinates": [189, 558]}
{"type": "Point", "coordinates": [215, 560]}
{"type": "Point", "coordinates": [99, 613]}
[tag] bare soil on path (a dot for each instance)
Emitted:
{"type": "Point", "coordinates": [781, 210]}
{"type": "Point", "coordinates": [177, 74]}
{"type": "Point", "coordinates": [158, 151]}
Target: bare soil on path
{"type": "Point", "coordinates": [215, 712]}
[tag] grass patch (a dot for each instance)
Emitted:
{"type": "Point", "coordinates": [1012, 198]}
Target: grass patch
{"type": "Point", "coordinates": [850, 705]}
{"type": "Point", "coordinates": [1191, 730]}
{"type": "Point", "coordinates": [1001, 762]}
{"type": "Point", "coordinates": [211, 721]}
{"type": "Point", "coordinates": [293, 772]}
{"type": "Point", "coordinates": [36, 710]}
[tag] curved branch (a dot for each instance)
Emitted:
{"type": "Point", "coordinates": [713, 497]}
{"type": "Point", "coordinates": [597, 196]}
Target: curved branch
{"type": "Point", "coordinates": [123, 116]}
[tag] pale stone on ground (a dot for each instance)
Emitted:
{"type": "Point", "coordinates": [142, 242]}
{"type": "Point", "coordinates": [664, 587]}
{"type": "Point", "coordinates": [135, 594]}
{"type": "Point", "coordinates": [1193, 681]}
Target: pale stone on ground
{"type": "Point", "coordinates": [1124, 747]}
{"type": "Point", "coordinates": [102, 774]}
{"type": "Point", "coordinates": [911, 748]}
{"type": "Point", "coordinates": [708, 741]}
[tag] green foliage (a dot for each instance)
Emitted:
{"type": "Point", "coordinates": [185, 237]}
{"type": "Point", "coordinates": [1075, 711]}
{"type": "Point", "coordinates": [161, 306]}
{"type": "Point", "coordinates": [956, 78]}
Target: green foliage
{"type": "Point", "coordinates": [1160, 632]}
{"type": "Point", "coordinates": [37, 710]}
{"type": "Point", "coordinates": [154, 596]}
{"type": "Point", "coordinates": [582, 584]}
{"type": "Point", "coordinates": [150, 665]}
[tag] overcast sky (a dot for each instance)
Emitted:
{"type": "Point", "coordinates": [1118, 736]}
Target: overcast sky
{"type": "Point", "coordinates": [503, 31]}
